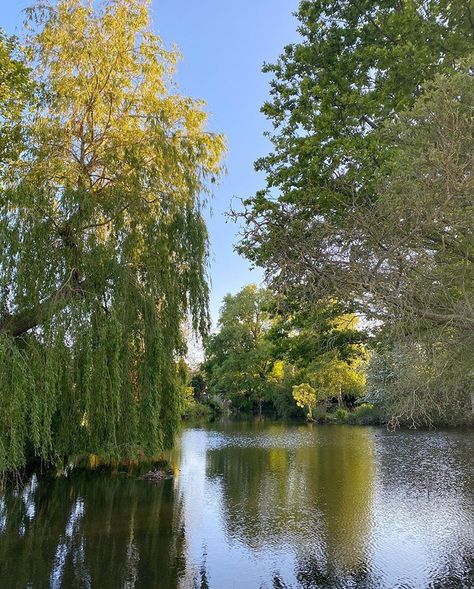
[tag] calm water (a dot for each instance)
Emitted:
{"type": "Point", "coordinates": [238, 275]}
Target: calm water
{"type": "Point", "coordinates": [257, 506]}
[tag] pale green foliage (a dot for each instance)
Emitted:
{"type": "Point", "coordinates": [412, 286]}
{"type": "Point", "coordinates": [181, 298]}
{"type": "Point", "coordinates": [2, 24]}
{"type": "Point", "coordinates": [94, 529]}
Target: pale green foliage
{"type": "Point", "coordinates": [103, 244]}
{"type": "Point", "coordinates": [423, 381]}
{"type": "Point", "coordinates": [333, 377]}
{"type": "Point", "coordinates": [305, 396]}
{"type": "Point", "coordinates": [326, 347]}
{"type": "Point", "coordinates": [188, 399]}
{"type": "Point", "coordinates": [423, 374]}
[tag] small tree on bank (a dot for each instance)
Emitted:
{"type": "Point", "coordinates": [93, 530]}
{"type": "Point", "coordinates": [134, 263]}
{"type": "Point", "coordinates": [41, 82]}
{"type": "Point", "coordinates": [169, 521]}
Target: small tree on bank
{"type": "Point", "coordinates": [305, 396]}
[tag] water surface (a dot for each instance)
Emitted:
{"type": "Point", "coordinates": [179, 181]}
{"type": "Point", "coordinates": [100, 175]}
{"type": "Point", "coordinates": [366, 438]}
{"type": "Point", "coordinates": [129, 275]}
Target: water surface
{"type": "Point", "coordinates": [256, 505]}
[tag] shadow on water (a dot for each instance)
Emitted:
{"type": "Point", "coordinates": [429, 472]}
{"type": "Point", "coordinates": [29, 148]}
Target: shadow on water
{"type": "Point", "coordinates": [264, 506]}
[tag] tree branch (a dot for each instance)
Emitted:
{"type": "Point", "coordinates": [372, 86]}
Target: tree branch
{"type": "Point", "coordinates": [21, 322]}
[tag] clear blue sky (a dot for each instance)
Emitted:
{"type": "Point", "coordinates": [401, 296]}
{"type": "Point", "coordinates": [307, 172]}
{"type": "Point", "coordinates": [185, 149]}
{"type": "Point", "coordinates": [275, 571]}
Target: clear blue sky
{"type": "Point", "coordinates": [224, 44]}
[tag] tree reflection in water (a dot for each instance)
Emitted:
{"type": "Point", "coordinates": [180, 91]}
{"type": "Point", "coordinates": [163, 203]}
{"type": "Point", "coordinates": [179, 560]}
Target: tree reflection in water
{"type": "Point", "coordinates": [313, 497]}
{"type": "Point", "coordinates": [91, 530]}
{"type": "Point", "coordinates": [256, 506]}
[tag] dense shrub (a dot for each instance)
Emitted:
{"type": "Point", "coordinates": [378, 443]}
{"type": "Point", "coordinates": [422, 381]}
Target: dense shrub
{"type": "Point", "coordinates": [365, 414]}
{"type": "Point", "coordinates": [198, 411]}
{"type": "Point", "coordinates": [341, 414]}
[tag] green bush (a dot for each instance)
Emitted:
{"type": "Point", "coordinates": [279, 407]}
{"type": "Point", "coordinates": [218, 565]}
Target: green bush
{"type": "Point", "coordinates": [341, 414]}
{"type": "Point", "coordinates": [198, 411]}
{"type": "Point", "coordinates": [365, 414]}
{"type": "Point", "coordinates": [218, 407]}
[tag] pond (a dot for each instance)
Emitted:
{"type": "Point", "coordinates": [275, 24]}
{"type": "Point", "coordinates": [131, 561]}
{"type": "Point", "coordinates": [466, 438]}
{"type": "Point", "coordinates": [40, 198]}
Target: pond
{"type": "Point", "coordinates": [256, 505]}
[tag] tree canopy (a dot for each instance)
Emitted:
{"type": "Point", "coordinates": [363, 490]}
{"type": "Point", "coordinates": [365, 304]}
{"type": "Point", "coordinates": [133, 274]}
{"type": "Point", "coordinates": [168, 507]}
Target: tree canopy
{"type": "Point", "coordinates": [264, 347]}
{"type": "Point", "coordinates": [357, 65]}
{"type": "Point", "coordinates": [239, 357]}
{"type": "Point", "coordinates": [103, 244]}
{"type": "Point", "coordinates": [368, 196]}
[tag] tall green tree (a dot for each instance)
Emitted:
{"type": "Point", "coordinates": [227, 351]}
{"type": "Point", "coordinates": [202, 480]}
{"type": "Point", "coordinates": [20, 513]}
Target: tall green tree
{"type": "Point", "coordinates": [368, 198]}
{"type": "Point", "coordinates": [265, 345]}
{"type": "Point", "coordinates": [239, 357]}
{"type": "Point", "coordinates": [357, 66]}
{"type": "Point", "coordinates": [412, 259]}
{"type": "Point", "coordinates": [103, 243]}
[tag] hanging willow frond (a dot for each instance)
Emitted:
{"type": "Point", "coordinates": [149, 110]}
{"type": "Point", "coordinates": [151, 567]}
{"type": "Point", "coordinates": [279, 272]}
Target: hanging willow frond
{"type": "Point", "coordinates": [103, 244]}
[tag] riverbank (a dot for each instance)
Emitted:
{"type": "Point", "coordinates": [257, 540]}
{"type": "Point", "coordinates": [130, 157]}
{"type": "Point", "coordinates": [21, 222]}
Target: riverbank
{"type": "Point", "coordinates": [363, 414]}
{"type": "Point", "coordinates": [148, 469]}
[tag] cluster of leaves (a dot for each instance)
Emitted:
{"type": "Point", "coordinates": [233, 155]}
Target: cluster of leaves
{"type": "Point", "coordinates": [17, 93]}
{"type": "Point", "coordinates": [239, 359]}
{"type": "Point", "coordinates": [305, 397]}
{"type": "Point", "coordinates": [264, 348]}
{"type": "Point", "coordinates": [196, 403]}
{"type": "Point", "coordinates": [365, 414]}
{"type": "Point", "coordinates": [103, 243]}
{"type": "Point", "coordinates": [370, 184]}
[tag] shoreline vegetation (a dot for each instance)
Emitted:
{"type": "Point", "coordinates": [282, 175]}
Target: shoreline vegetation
{"type": "Point", "coordinates": [270, 357]}
{"type": "Point", "coordinates": [159, 469]}
{"type": "Point", "coordinates": [155, 470]}
{"type": "Point", "coordinates": [363, 414]}
{"type": "Point", "coordinates": [143, 468]}
{"type": "Point", "coordinates": [363, 228]}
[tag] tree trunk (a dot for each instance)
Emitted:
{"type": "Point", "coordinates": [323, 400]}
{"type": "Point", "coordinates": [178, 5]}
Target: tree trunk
{"type": "Point", "coordinates": [23, 321]}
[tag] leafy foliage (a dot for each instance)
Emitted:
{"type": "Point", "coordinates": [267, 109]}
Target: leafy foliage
{"type": "Point", "coordinates": [333, 376]}
{"type": "Point", "coordinates": [368, 198]}
{"type": "Point", "coordinates": [104, 245]}
{"type": "Point", "coordinates": [239, 359]}
{"type": "Point", "coordinates": [305, 396]}
{"type": "Point", "coordinates": [356, 66]}
{"type": "Point", "coordinates": [265, 347]}
{"type": "Point", "coordinates": [365, 414]}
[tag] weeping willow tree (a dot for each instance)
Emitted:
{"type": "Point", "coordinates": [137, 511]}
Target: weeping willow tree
{"type": "Point", "coordinates": [103, 243]}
